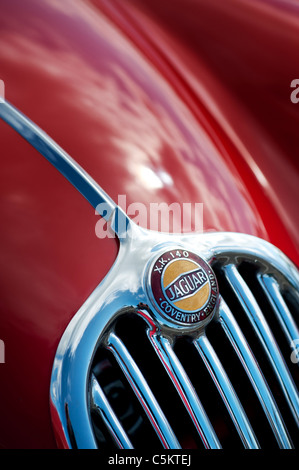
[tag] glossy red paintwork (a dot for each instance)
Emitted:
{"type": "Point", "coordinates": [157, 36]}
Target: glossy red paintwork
{"type": "Point", "coordinates": [189, 104]}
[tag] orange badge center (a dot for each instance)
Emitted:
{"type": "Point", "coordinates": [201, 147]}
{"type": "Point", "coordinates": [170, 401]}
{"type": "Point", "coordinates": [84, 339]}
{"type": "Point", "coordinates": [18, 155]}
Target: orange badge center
{"type": "Point", "coordinates": [186, 285]}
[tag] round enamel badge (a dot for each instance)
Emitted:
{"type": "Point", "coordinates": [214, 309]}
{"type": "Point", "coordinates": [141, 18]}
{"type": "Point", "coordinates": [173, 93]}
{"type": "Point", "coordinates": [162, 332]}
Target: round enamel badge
{"type": "Point", "coordinates": [183, 286]}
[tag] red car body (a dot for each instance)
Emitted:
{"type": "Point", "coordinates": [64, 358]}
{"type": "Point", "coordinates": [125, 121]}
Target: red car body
{"type": "Point", "coordinates": [195, 92]}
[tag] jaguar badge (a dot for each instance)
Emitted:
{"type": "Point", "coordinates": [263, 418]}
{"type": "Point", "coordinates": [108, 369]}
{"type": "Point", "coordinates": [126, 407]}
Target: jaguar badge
{"type": "Point", "coordinates": [183, 287]}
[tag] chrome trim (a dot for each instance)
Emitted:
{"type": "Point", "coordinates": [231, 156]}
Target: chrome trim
{"type": "Point", "coordinates": [102, 406]}
{"type": "Point", "coordinates": [226, 392]}
{"type": "Point", "coordinates": [257, 319]}
{"type": "Point", "coordinates": [68, 167]}
{"type": "Point", "coordinates": [185, 390]}
{"type": "Point", "coordinates": [143, 393]}
{"type": "Point", "coordinates": [253, 371]}
{"type": "Point", "coordinates": [271, 289]}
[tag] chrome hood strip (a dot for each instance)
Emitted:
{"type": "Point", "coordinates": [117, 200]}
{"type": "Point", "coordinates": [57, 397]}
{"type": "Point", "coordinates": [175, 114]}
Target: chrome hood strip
{"type": "Point", "coordinates": [65, 164]}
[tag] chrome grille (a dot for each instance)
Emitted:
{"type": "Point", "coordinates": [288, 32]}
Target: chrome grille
{"type": "Point", "coordinates": [215, 431]}
{"type": "Point", "coordinates": [140, 383]}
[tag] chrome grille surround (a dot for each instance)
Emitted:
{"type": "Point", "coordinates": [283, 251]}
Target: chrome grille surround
{"type": "Point", "coordinates": [77, 395]}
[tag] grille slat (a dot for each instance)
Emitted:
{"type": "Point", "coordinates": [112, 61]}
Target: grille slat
{"type": "Point", "coordinates": [102, 406]}
{"type": "Point", "coordinates": [272, 291]}
{"type": "Point", "coordinates": [185, 390]}
{"type": "Point", "coordinates": [253, 371]}
{"type": "Point", "coordinates": [226, 392]}
{"type": "Point", "coordinates": [267, 340]}
{"type": "Point", "coordinates": [143, 392]}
